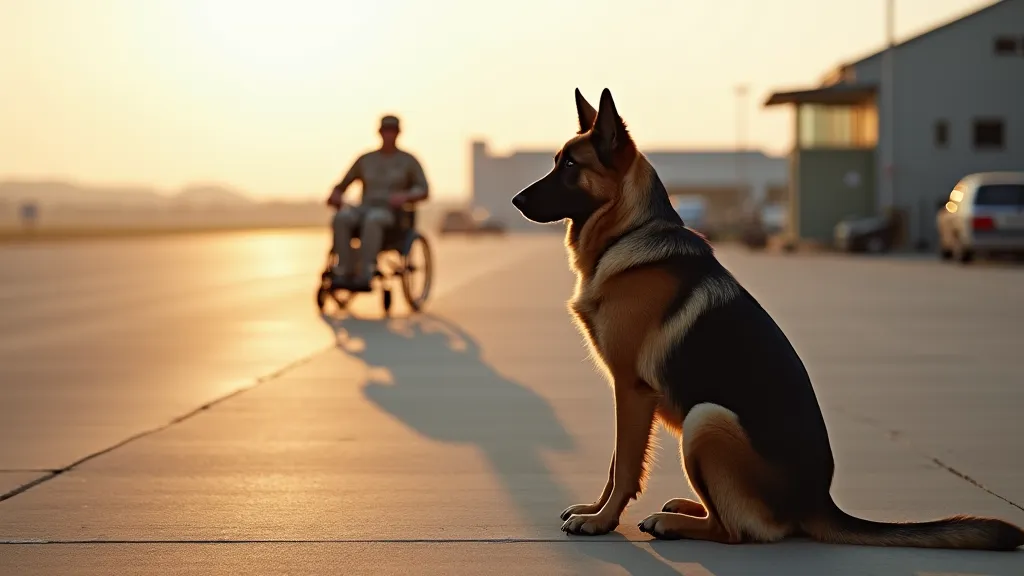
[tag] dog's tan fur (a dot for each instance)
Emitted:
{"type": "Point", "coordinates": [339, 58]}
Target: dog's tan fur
{"type": "Point", "coordinates": [618, 306]}
{"type": "Point", "coordinates": [627, 303]}
{"type": "Point", "coordinates": [731, 475]}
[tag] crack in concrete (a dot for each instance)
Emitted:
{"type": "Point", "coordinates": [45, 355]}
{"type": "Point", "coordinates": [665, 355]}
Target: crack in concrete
{"type": "Point", "coordinates": [51, 474]}
{"type": "Point", "coordinates": [974, 482]}
{"type": "Point", "coordinates": [900, 436]}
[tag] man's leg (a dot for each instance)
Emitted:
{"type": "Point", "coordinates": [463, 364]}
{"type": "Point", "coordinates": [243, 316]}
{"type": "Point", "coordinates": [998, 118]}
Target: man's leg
{"type": "Point", "coordinates": [375, 223]}
{"type": "Point", "coordinates": [345, 221]}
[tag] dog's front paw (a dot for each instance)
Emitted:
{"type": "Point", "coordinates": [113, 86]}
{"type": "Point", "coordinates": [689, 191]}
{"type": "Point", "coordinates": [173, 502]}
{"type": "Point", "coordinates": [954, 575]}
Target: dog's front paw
{"type": "Point", "coordinates": [592, 508]}
{"type": "Point", "coordinates": [589, 525]}
{"type": "Point", "coordinates": [661, 526]}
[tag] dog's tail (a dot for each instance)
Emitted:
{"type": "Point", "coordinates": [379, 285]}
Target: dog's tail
{"type": "Point", "coordinates": [960, 532]}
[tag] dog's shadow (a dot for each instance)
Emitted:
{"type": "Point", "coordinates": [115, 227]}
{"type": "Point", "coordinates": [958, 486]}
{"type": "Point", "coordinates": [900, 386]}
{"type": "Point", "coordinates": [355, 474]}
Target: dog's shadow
{"type": "Point", "coordinates": [435, 382]}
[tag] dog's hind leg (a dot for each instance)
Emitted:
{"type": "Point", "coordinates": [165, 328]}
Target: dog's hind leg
{"type": "Point", "coordinates": [685, 506]}
{"type": "Point", "coordinates": [672, 422]}
{"type": "Point", "coordinates": [728, 476]}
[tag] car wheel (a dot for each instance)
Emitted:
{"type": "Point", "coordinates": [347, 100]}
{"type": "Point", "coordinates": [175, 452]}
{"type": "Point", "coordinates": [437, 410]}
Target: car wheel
{"type": "Point", "coordinates": [961, 253]}
{"type": "Point", "coordinates": [945, 253]}
{"type": "Point", "coordinates": [874, 245]}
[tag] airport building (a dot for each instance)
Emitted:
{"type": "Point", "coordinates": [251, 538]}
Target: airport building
{"type": "Point", "coordinates": [726, 180]}
{"type": "Point", "coordinates": [952, 103]}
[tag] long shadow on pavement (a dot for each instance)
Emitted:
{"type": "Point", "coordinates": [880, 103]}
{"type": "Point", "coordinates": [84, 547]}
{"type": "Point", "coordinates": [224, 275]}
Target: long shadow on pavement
{"type": "Point", "coordinates": [438, 385]}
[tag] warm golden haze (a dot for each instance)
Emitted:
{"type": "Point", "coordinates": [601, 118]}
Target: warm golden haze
{"type": "Point", "coordinates": [279, 97]}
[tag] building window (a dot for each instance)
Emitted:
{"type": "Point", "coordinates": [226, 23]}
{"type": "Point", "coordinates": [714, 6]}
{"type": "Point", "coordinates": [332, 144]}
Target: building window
{"type": "Point", "coordinates": [942, 134]}
{"type": "Point", "coordinates": [1007, 46]}
{"type": "Point", "coordinates": [989, 134]}
{"type": "Point", "coordinates": [837, 126]}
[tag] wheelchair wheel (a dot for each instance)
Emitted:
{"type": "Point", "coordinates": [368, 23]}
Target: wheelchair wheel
{"type": "Point", "coordinates": [321, 298]}
{"type": "Point", "coordinates": [417, 271]}
{"type": "Point", "coordinates": [325, 291]}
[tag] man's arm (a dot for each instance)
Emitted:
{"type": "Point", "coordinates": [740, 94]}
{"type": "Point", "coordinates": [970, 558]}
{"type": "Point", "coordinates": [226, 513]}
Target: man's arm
{"type": "Point", "coordinates": [419, 189]}
{"type": "Point", "coordinates": [354, 173]}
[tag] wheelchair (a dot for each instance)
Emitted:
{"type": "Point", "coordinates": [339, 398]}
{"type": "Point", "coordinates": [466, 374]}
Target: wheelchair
{"type": "Point", "coordinates": [405, 257]}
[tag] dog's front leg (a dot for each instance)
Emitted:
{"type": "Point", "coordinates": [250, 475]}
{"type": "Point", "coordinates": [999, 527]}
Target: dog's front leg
{"type": "Point", "coordinates": [594, 507]}
{"type": "Point", "coordinates": [634, 418]}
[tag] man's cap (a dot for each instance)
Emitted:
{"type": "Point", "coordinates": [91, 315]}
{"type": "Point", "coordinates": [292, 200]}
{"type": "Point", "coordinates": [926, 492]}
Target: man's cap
{"type": "Point", "coordinates": [389, 121]}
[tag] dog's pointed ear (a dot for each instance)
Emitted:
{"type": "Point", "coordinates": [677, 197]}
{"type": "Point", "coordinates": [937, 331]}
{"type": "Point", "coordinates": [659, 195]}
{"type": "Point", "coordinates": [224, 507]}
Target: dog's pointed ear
{"type": "Point", "coordinates": [610, 134]}
{"type": "Point", "coordinates": [585, 111]}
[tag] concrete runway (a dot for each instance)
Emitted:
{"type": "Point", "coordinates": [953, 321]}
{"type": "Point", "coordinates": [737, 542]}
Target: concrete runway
{"type": "Point", "coordinates": [182, 408]}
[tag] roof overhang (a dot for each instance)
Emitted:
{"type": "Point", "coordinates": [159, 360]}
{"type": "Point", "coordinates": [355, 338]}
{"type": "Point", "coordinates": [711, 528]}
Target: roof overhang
{"type": "Point", "coordinates": [836, 95]}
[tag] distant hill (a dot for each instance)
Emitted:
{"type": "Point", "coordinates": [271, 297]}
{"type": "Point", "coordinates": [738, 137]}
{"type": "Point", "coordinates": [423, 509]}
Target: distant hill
{"type": "Point", "coordinates": [210, 194]}
{"type": "Point", "coordinates": [56, 192]}
{"type": "Point", "coordinates": [70, 194]}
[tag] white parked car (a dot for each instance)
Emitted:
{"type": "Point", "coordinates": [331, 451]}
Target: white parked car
{"type": "Point", "coordinates": [984, 215]}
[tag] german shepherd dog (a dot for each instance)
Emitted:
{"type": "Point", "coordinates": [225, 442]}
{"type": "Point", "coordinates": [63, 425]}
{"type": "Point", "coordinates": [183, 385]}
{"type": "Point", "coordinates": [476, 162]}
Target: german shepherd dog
{"type": "Point", "coordinates": [683, 343]}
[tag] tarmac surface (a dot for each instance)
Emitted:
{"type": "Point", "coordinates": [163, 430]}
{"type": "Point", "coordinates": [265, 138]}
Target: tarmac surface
{"type": "Point", "coordinates": [177, 406]}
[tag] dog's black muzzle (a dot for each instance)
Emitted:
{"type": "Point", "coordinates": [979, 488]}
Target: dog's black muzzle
{"type": "Point", "coordinates": [541, 201]}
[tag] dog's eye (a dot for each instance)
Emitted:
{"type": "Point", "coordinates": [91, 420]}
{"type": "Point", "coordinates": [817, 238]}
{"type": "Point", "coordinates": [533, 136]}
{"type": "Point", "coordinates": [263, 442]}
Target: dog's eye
{"type": "Point", "coordinates": [568, 162]}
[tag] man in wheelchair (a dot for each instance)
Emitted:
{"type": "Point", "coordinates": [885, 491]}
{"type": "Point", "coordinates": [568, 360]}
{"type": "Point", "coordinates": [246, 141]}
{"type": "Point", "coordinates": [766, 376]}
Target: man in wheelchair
{"type": "Point", "coordinates": [392, 178]}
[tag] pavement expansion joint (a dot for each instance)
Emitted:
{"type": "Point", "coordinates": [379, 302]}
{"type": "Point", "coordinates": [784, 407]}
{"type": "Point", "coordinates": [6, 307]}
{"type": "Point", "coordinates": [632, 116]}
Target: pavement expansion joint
{"type": "Point", "coordinates": [51, 474]}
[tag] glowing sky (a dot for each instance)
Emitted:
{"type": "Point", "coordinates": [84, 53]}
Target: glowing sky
{"type": "Point", "coordinates": [277, 97]}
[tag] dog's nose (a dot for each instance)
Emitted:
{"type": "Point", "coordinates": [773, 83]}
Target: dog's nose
{"type": "Point", "coordinates": [517, 201]}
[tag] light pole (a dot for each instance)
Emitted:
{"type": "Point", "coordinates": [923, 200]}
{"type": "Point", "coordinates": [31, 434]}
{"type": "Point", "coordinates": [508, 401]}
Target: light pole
{"type": "Point", "coordinates": [741, 143]}
{"type": "Point", "coordinates": [888, 191]}
{"type": "Point", "coordinates": [741, 116]}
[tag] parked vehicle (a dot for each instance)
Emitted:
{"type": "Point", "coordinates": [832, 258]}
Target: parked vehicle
{"type": "Point", "coordinates": [693, 211]}
{"type": "Point", "coordinates": [773, 217]}
{"type": "Point", "coordinates": [753, 235]}
{"type": "Point", "coordinates": [476, 221]}
{"type": "Point", "coordinates": [767, 221]}
{"type": "Point", "coordinates": [983, 216]}
{"type": "Point", "coordinates": [873, 234]}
